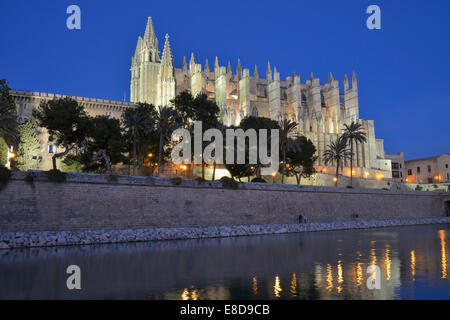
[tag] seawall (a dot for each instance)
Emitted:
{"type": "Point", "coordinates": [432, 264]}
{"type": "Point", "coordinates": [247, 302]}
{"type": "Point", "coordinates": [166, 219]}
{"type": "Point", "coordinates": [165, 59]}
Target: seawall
{"type": "Point", "coordinates": [90, 202]}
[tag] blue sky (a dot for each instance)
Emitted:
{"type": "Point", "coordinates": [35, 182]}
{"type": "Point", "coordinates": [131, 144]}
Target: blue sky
{"type": "Point", "coordinates": [403, 70]}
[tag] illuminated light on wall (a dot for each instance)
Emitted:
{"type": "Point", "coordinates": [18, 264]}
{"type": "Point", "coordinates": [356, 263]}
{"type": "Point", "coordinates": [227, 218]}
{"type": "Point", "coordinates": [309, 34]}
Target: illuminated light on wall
{"type": "Point", "coordinates": [380, 176]}
{"type": "Point", "coordinates": [335, 179]}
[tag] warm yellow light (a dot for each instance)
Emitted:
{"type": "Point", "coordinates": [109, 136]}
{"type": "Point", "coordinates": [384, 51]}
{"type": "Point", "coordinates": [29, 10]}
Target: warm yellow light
{"type": "Point", "coordinates": [324, 170]}
{"type": "Point", "coordinates": [274, 174]}
{"type": "Point", "coordinates": [12, 155]}
{"type": "Point", "coordinates": [335, 179]}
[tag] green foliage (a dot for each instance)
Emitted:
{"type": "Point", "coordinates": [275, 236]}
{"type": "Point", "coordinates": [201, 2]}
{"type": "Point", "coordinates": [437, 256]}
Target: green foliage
{"type": "Point", "coordinates": [3, 152]}
{"type": "Point", "coordinates": [5, 175]}
{"type": "Point", "coordinates": [419, 188]}
{"type": "Point", "coordinates": [74, 163]}
{"type": "Point", "coordinates": [140, 132]}
{"type": "Point", "coordinates": [300, 164]}
{"type": "Point", "coordinates": [56, 176]}
{"type": "Point", "coordinates": [105, 141]}
{"type": "Point", "coordinates": [29, 147]}
{"type": "Point", "coordinates": [259, 180]}
{"type": "Point", "coordinates": [65, 121]}
{"type": "Point", "coordinates": [176, 181]}
{"type": "Point", "coordinates": [229, 183]}
{"type": "Point", "coordinates": [240, 171]}
{"type": "Point", "coordinates": [8, 114]}
{"type": "Point", "coordinates": [337, 153]}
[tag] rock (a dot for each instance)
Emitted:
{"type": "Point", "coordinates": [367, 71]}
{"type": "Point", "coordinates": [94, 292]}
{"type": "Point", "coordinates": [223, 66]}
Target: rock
{"type": "Point", "coordinates": [4, 246]}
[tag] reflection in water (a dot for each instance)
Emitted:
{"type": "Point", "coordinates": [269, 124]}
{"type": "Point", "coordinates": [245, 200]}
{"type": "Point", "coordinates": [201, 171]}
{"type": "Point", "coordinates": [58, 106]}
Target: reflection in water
{"type": "Point", "coordinates": [413, 265]}
{"type": "Point", "coordinates": [255, 286]}
{"type": "Point", "coordinates": [185, 294]}
{"type": "Point", "coordinates": [359, 274]}
{"type": "Point", "coordinates": [277, 287]}
{"type": "Point", "coordinates": [294, 285]}
{"type": "Point", "coordinates": [329, 278]}
{"type": "Point", "coordinates": [442, 236]}
{"type": "Point", "coordinates": [387, 262]}
{"type": "Point", "coordinates": [340, 277]}
{"type": "Point", "coordinates": [324, 265]}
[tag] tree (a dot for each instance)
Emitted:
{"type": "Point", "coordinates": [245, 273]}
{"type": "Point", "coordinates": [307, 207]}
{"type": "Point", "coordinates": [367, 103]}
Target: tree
{"type": "Point", "coordinates": [167, 120]}
{"type": "Point", "coordinates": [105, 140]}
{"type": "Point", "coordinates": [29, 147]}
{"type": "Point", "coordinates": [301, 163]}
{"type": "Point", "coordinates": [65, 121]}
{"type": "Point", "coordinates": [354, 133]}
{"type": "Point", "coordinates": [200, 109]}
{"type": "Point", "coordinates": [259, 123]}
{"type": "Point", "coordinates": [139, 123]}
{"type": "Point", "coordinates": [3, 152]}
{"type": "Point", "coordinates": [287, 143]}
{"type": "Point", "coordinates": [8, 114]}
{"type": "Point", "coordinates": [337, 152]}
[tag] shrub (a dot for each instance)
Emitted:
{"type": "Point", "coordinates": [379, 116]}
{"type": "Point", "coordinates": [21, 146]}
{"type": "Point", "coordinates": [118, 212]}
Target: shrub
{"type": "Point", "coordinates": [112, 178]}
{"type": "Point", "coordinates": [5, 175]}
{"type": "Point", "coordinates": [29, 179]}
{"type": "Point", "coordinates": [56, 176]}
{"type": "Point", "coordinates": [419, 188]}
{"type": "Point", "coordinates": [229, 183]}
{"type": "Point", "coordinates": [200, 180]}
{"type": "Point", "coordinates": [259, 180]}
{"type": "Point", "coordinates": [176, 181]}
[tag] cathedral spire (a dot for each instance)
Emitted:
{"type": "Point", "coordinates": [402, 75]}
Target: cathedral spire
{"type": "Point", "coordinates": [354, 81]}
{"type": "Point", "coordinates": [216, 64]}
{"type": "Point", "coordinates": [207, 66]}
{"type": "Point", "coordinates": [239, 68]}
{"type": "Point", "coordinates": [269, 72]}
{"type": "Point", "coordinates": [192, 62]}
{"type": "Point", "coordinates": [149, 36]}
{"type": "Point", "coordinates": [312, 76]}
{"type": "Point", "coordinates": [346, 85]}
{"type": "Point", "coordinates": [184, 64]}
{"type": "Point", "coordinates": [229, 68]}
{"type": "Point", "coordinates": [167, 58]}
{"type": "Point", "coordinates": [330, 78]}
{"type": "Point", "coordinates": [256, 73]}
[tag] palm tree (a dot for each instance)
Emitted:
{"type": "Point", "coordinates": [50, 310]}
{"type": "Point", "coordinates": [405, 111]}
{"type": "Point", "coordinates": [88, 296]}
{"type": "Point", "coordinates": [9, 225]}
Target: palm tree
{"type": "Point", "coordinates": [166, 122]}
{"type": "Point", "coordinates": [139, 124]}
{"type": "Point", "coordinates": [337, 152]}
{"type": "Point", "coordinates": [287, 143]}
{"type": "Point", "coordinates": [354, 133]}
{"type": "Point", "coordinates": [223, 130]}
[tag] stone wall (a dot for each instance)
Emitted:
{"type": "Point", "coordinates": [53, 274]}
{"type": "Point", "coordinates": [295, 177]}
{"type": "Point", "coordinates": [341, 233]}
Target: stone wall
{"type": "Point", "coordinates": [91, 202]}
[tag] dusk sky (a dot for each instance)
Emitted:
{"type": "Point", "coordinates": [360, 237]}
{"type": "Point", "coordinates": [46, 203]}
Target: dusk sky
{"type": "Point", "coordinates": [403, 70]}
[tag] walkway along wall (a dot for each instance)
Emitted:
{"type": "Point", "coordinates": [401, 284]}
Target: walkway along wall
{"type": "Point", "coordinates": [91, 202]}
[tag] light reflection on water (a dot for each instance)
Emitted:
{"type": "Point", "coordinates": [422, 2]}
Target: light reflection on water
{"type": "Point", "coordinates": [326, 265]}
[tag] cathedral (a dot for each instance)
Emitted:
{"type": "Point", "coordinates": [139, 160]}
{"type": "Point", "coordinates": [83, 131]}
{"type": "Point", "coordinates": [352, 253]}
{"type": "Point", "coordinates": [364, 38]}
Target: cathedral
{"type": "Point", "coordinates": [321, 110]}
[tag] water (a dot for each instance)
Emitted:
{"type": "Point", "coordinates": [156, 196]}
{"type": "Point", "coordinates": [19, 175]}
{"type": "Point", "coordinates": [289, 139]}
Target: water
{"type": "Point", "coordinates": [414, 264]}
